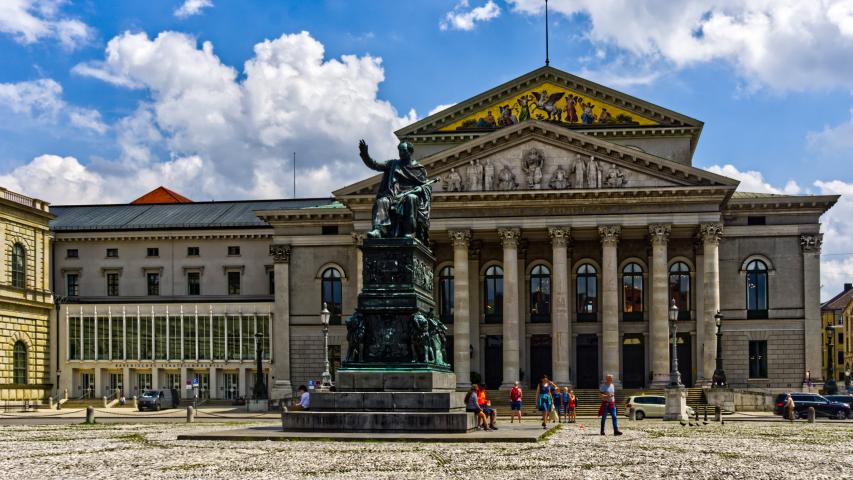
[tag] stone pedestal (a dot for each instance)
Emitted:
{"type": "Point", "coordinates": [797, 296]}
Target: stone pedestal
{"type": "Point", "coordinates": [253, 405]}
{"type": "Point", "coordinates": [676, 403]}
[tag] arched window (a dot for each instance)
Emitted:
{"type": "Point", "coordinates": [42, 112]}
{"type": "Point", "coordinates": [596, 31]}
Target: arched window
{"type": "Point", "coordinates": [679, 288]}
{"type": "Point", "coordinates": [19, 274]}
{"type": "Point", "coordinates": [756, 289]}
{"type": "Point", "coordinates": [332, 294]}
{"type": "Point", "coordinates": [632, 292]}
{"type": "Point", "coordinates": [540, 294]}
{"type": "Point", "coordinates": [493, 300]}
{"type": "Point", "coordinates": [445, 294]}
{"type": "Point", "coordinates": [587, 293]}
{"type": "Point", "coordinates": [19, 364]}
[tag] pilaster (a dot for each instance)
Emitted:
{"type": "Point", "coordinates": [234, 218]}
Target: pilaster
{"type": "Point", "coordinates": [510, 238]}
{"type": "Point", "coordinates": [710, 233]}
{"type": "Point", "coordinates": [561, 333]}
{"type": "Point", "coordinates": [280, 375]}
{"type": "Point", "coordinates": [611, 348]}
{"type": "Point", "coordinates": [461, 308]}
{"type": "Point", "coordinates": [811, 245]}
{"type": "Point", "coordinates": [659, 319]}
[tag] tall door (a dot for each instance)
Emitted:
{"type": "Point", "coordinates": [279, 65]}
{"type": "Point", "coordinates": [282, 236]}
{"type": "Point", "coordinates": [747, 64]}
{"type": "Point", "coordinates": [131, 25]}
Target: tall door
{"type": "Point", "coordinates": [633, 362]}
{"type": "Point", "coordinates": [87, 385]}
{"type": "Point", "coordinates": [540, 358]}
{"type": "Point", "coordinates": [230, 384]}
{"type": "Point", "coordinates": [116, 383]}
{"type": "Point", "coordinates": [587, 361]}
{"type": "Point", "coordinates": [494, 374]}
{"type": "Point", "coordinates": [203, 385]}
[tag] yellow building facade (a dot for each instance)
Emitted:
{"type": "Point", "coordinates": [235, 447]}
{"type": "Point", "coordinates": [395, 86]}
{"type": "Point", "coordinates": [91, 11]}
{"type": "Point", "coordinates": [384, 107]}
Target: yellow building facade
{"type": "Point", "coordinates": [836, 316]}
{"type": "Point", "coordinates": [26, 301]}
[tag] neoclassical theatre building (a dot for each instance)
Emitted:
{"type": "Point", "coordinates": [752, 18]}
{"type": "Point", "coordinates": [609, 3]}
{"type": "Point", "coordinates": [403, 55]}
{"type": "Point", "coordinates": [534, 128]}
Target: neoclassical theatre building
{"type": "Point", "coordinates": [568, 220]}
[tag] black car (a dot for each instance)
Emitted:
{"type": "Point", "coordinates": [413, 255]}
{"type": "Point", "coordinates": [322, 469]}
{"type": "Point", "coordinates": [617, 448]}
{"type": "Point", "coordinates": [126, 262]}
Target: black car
{"type": "Point", "coordinates": [157, 399]}
{"type": "Point", "coordinates": [802, 402]}
{"type": "Point", "coordinates": [845, 399]}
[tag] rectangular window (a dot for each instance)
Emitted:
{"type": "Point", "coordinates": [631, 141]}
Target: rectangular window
{"type": "Point", "coordinates": [130, 329]}
{"type": "Point", "coordinates": [72, 282]}
{"type": "Point", "coordinates": [112, 284]}
{"type": "Point", "coordinates": [174, 338]}
{"type": "Point", "coordinates": [233, 337]}
{"type": "Point", "coordinates": [841, 339]}
{"type": "Point", "coordinates": [192, 251]}
{"type": "Point", "coordinates": [189, 338]}
{"type": "Point", "coordinates": [117, 339]}
{"type": "Point", "coordinates": [203, 337]}
{"type": "Point", "coordinates": [233, 283]}
{"type": "Point", "coordinates": [248, 337]}
{"type": "Point", "coordinates": [329, 230]}
{"type": "Point", "coordinates": [271, 280]}
{"type": "Point", "coordinates": [756, 220]}
{"type": "Point", "coordinates": [758, 359]}
{"type": "Point", "coordinates": [72, 253]}
{"type": "Point", "coordinates": [112, 253]}
{"type": "Point", "coordinates": [263, 324]}
{"type": "Point", "coordinates": [153, 252]}
{"type": "Point", "coordinates": [160, 338]}
{"type": "Point", "coordinates": [840, 358]}
{"type": "Point", "coordinates": [103, 338]}
{"type": "Point", "coordinates": [219, 337]}
{"type": "Point", "coordinates": [74, 338]}
{"type": "Point", "coordinates": [153, 283]}
{"type": "Point", "coordinates": [233, 251]}
{"type": "Point", "coordinates": [193, 283]}
{"type": "Point", "coordinates": [88, 338]}
{"type": "Point", "coordinates": [146, 329]}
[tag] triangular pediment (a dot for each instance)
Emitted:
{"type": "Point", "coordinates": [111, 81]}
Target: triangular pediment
{"type": "Point", "coordinates": [552, 95]}
{"type": "Point", "coordinates": [530, 156]}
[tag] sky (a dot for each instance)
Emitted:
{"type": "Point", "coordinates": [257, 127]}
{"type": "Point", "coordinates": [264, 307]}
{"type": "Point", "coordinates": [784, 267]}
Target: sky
{"type": "Point", "coordinates": [101, 101]}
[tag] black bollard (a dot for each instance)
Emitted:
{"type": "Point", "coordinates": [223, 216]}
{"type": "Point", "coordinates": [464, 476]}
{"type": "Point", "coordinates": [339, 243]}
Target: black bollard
{"type": "Point", "coordinates": [811, 414]}
{"type": "Point", "coordinates": [90, 415]}
{"type": "Point", "coordinates": [718, 414]}
{"type": "Point", "coordinates": [706, 413]}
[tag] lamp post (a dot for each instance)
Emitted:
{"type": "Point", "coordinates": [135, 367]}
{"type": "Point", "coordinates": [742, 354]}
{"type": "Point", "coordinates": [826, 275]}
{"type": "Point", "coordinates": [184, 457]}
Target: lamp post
{"type": "Point", "coordinates": [829, 386]}
{"type": "Point", "coordinates": [719, 378]}
{"type": "Point", "coordinates": [260, 390]}
{"type": "Point", "coordinates": [324, 318]}
{"type": "Point", "coordinates": [58, 300]}
{"type": "Point", "coordinates": [674, 374]}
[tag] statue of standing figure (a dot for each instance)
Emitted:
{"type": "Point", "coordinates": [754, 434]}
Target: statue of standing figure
{"type": "Point", "coordinates": [532, 163]}
{"type": "Point", "coordinates": [593, 173]}
{"type": "Point", "coordinates": [506, 179]}
{"type": "Point", "coordinates": [475, 176]}
{"type": "Point", "coordinates": [580, 172]}
{"type": "Point", "coordinates": [488, 175]}
{"type": "Point", "coordinates": [356, 331]}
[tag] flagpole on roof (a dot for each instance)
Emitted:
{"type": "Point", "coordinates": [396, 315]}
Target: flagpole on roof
{"type": "Point", "coordinates": [294, 175]}
{"type": "Point", "coordinates": [547, 59]}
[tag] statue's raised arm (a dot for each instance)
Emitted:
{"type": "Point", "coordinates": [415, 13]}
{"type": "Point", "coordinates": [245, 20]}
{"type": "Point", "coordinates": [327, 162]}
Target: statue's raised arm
{"type": "Point", "coordinates": [365, 157]}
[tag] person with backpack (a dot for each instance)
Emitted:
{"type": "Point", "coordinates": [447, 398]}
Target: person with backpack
{"type": "Point", "coordinates": [515, 402]}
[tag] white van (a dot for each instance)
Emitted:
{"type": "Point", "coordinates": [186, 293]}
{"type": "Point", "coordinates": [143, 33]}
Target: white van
{"type": "Point", "coordinates": [649, 406]}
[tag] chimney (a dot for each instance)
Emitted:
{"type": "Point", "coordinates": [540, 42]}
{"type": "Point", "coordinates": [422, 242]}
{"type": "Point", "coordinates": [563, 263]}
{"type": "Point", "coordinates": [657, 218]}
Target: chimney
{"type": "Point", "coordinates": [848, 286]}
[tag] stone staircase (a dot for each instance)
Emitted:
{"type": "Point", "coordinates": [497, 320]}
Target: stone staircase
{"type": "Point", "coordinates": [588, 400]}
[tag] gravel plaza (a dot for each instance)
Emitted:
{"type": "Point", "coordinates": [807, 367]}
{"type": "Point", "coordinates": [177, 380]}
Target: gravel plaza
{"type": "Point", "coordinates": [764, 448]}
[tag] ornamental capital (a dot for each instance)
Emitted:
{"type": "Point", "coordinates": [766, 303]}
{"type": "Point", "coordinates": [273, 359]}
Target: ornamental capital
{"type": "Point", "coordinates": [280, 253]}
{"type": "Point", "coordinates": [609, 234]}
{"type": "Point", "coordinates": [811, 243]}
{"type": "Point", "coordinates": [711, 233]}
{"type": "Point", "coordinates": [460, 238]}
{"type": "Point", "coordinates": [509, 236]}
{"type": "Point", "coordinates": [358, 238]}
{"type": "Point", "coordinates": [560, 236]}
{"type": "Point", "coordinates": [659, 233]}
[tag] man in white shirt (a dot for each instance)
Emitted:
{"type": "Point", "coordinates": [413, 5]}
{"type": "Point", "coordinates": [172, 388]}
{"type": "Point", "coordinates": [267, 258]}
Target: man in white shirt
{"type": "Point", "coordinates": [607, 392]}
{"type": "Point", "coordinates": [304, 399]}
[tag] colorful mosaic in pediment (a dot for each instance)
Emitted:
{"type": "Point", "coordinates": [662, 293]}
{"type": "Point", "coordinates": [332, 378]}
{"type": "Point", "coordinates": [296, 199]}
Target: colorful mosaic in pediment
{"type": "Point", "coordinates": [549, 102]}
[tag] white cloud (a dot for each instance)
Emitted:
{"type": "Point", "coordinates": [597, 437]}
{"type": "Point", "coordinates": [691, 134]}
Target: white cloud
{"type": "Point", "coordinates": [192, 7]}
{"type": "Point", "coordinates": [439, 108]}
{"type": "Point", "coordinates": [462, 19]}
{"type": "Point", "coordinates": [833, 139]}
{"type": "Point", "coordinates": [244, 126]}
{"type": "Point", "coordinates": [753, 181]}
{"type": "Point", "coordinates": [42, 100]}
{"type": "Point", "coordinates": [29, 21]}
{"type": "Point", "coordinates": [837, 255]}
{"type": "Point", "coordinates": [782, 44]}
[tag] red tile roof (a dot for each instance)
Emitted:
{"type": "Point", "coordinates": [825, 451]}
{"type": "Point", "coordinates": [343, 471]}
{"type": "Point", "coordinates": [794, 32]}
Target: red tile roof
{"type": "Point", "coordinates": [840, 301]}
{"type": "Point", "coordinates": [161, 195]}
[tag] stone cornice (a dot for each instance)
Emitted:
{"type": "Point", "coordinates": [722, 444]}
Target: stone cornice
{"type": "Point", "coordinates": [610, 132]}
{"type": "Point", "coordinates": [305, 216]}
{"type": "Point", "coordinates": [782, 204]}
{"type": "Point", "coordinates": [113, 236]}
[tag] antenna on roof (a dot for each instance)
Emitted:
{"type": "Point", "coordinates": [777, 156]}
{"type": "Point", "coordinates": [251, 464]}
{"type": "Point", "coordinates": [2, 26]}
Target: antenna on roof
{"type": "Point", "coordinates": [294, 175]}
{"type": "Point", "coordinates": [547, 59]}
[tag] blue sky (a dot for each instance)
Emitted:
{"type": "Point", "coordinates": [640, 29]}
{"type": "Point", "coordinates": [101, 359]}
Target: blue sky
{"type": "Point", "coordinates": [103, 100]}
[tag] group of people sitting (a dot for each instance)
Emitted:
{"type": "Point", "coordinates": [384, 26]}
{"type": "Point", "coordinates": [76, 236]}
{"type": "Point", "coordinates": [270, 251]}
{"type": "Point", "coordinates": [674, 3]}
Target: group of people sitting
{"type": "Point", "coordinates": [555, 405]}
{"type": "Point", "coordinates": [477, 403]}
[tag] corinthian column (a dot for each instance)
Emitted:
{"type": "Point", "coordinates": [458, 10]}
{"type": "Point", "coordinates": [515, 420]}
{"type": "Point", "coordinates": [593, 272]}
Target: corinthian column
{"type": "Point", "coordinates": [710, 233]}
{"type": "Point", "coordinates": [561, 333]}
{"type": "Point", "coordinates": [461, 327]}
{"type": "Point", "coordinates": [811, 244]}
{"type": "Point", "coordinates": [281, 387]}
{"type": "Point", "coordinates": [509, 239]}
{"type": "Point", "coordinates": [610, 302]}
{"type": "Point", "coordinates": [659, 320]}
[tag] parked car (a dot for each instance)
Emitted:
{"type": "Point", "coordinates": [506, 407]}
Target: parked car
{"type": "Point", "coordinates": [822, 406]}
{"type": "Point", "coordinates": [649, 406]}
{"type": "Point", "coordinates": [845, 399]}
{"type": "Point", "coordinates": [158, 399]}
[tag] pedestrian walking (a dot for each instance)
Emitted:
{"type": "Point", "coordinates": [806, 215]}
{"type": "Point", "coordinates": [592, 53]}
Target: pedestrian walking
{"type": "Point", "coordinates": [573, 404]}
{"type": "Point", "coordinates": [789, 407]}
{"type": "Point", "coordinates": [544, 400]}
{"type": "Point", "coordinates": [565, 402]}
{"type": "Point", "coordinates": [607, 392]}
{"type": "Point", "coordinates": [558, 403]}
{"type": "Point", "coordinates": [515, 395]}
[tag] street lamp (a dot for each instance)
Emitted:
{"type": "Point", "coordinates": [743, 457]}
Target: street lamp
{"type": "Point", "coordinates": [674, 374]}
{"type": "Point", "coordinates": [829, 386]}
{"type": "Point", "coordinates": [260, 390]}
{"type": "Point", "coordinates": [324, 318]}
{"type": "Point", "coordinates": [719, 378]}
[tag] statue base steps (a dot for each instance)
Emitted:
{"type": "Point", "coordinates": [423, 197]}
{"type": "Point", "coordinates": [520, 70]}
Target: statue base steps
{"type": "Point", "coordinates": [379, 422]}
{"type": "Point", "coordinates": [376, 380]}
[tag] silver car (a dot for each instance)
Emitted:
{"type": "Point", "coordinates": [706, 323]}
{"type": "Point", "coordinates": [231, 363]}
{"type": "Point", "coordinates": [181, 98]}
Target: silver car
{"type": "Point", "coordinates": [649, 406]}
